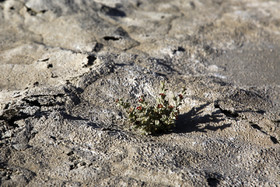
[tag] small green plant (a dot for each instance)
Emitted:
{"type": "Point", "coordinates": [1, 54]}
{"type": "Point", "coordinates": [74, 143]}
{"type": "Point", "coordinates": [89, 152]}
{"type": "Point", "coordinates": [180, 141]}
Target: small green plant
{"type": "Point", "coordinates": [153, 119]}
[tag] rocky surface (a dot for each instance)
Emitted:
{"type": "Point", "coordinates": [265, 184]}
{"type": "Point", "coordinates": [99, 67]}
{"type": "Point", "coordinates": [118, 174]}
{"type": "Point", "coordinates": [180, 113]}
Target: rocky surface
{"type": "Point", "coordinates": [63, 63]}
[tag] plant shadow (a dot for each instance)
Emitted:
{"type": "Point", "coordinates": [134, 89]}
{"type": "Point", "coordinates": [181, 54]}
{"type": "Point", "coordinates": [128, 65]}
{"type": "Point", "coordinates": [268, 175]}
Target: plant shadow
{"type": "Point", "coordinates": [193, 121]}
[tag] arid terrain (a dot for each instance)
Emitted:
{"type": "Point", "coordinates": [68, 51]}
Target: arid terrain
{"type": "Point", "coordinates": [64, 63]}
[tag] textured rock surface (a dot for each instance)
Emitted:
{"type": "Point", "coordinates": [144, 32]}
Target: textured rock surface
{"type": "Point", "coordinates": [63, 63]}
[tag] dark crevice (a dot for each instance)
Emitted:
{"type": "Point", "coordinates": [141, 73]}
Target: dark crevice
{"type": "Point", "coordinates": [38, 104]}
{"type": "Point", "coordinates": [33, 103]}
{"type": "Point", "coordinates": [51, 100]}
{"type": "Point", "coordinates": [72, 167]}
{"type": "Point", "coordinates": [112, 11]}
{"type": "Point", "coordinates": [261, 111]}
{"type": "Point", "coordinates": [12, 123]}
{"type": "Point", "coordinates": [6, 107]}
{"type": "Point", "coordinates": [213, 182]}
{"type": "Point", "coordinates": [213, 179]}
{"type": "Point", "coordinates": [11, 119]}
{"type": "Point", "coordinates": [91, 59]}
{"type": "Point", "coordinates": [70, 153]}
{"type": "Point", "coordinates": [107, 38]}
{"type": "Point", "coordinates": [179, 49]}
{"type": "Point", "coordinates": [43, 95]}
{"type": "Point", "coordinates": [44, 60]}
{"type": "Point", "coordinates": [50, 66]}
{"type": "Point", "coordinates": [121, 64]}
{"type": "Point", "coordinates": [36, 83]}
{"type": "Point", "coordinates": [31, 12]}
{"type": "Point", "coordinates": [54, 138]}
{"type": "Point", "coordinates": [255, 126]}
{"type": "Point", "coordinates": [274, 140]}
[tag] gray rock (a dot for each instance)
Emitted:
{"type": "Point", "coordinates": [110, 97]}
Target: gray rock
{"type": "Point", "coordinates": [64, 63]}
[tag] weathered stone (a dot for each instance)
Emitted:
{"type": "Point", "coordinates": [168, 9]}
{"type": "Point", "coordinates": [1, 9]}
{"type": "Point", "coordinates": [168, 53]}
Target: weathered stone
{"type": "Point", "coordinates": [64, 63]}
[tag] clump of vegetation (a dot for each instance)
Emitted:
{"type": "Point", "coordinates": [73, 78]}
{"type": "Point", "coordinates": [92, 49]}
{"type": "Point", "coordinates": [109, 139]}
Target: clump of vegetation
{"type": "Point", "coordinates": [157, 118]}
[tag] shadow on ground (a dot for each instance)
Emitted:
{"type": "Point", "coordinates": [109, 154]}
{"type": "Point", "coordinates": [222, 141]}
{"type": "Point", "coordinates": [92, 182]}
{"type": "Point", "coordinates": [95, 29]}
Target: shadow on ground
{"type": "Point", "coordinates": [193, 121]}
